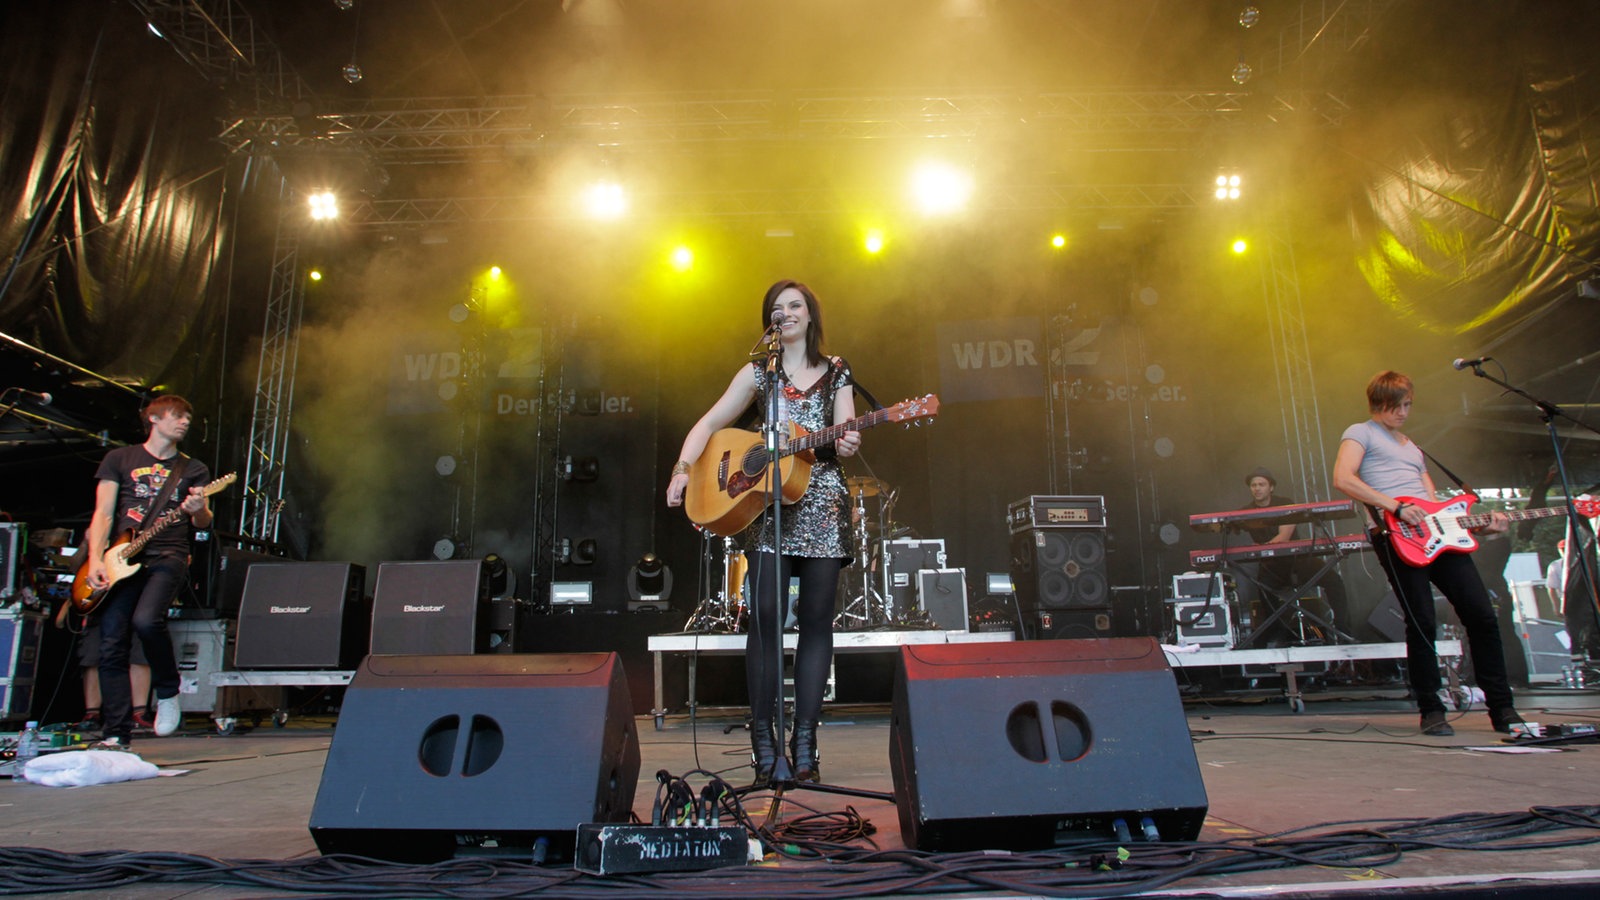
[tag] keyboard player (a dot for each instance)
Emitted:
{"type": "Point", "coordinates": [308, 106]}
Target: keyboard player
{"type": "Point", "coordinates": [1283, 574]}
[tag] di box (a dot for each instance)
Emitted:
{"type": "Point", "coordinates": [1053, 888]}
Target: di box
{"type": "Point", "coordinates": [1207, 623]}
{"type": "Point", "coordinates": [1028, 745]}
{"type": "Point", "coordinates": [301, 615]}
{"type": "Point", "coordinates": [430, 607]}
{"type": "Point", "coordinates": [443, 756]}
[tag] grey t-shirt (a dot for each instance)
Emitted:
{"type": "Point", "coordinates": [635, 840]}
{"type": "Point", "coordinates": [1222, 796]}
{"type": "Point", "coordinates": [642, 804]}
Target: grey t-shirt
{"type": "Point", "coordinates": [1389, 466]}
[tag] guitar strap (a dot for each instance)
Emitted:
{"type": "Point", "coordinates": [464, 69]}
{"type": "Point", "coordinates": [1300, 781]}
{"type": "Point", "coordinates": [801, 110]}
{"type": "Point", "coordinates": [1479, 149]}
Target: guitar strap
{"type": "Point", "coordinates": [1453, 477]}
{"type": "Point", "coordinates": [171, 484]}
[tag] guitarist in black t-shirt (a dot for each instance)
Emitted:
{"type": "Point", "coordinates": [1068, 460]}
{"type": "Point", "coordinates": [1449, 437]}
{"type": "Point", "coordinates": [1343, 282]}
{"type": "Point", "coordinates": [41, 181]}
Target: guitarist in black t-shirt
{"type": "Point", "coordinates": [129, 482]}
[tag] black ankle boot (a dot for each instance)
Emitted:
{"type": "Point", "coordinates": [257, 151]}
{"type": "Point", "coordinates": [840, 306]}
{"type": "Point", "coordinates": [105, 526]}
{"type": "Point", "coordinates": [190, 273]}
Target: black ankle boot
{"type": "Point", "coordinates": [763, 751]}
{"type": "Point", "coordinates": [803, 749]}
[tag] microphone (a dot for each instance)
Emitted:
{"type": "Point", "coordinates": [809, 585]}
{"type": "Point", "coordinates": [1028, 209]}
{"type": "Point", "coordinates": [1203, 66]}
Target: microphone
{"type": "Point", "coordinates": [40, 397]}
{"type": "Point", "coordinates": [777, 318]}
{"type": "Point", "coordinates": [1470, 363]}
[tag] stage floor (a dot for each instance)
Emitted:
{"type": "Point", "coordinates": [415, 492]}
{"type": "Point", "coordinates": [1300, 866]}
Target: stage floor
{"type": "Point", "coordinates": [1353, 755]}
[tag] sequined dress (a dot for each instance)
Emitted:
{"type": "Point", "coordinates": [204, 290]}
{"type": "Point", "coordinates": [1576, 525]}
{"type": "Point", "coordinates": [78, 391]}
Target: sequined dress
{"type": "Point", "coordinates": [818, 523]}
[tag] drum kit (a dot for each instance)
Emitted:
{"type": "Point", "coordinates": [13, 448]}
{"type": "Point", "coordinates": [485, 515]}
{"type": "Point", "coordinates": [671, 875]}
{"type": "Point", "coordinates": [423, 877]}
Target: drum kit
{"type": "Point", "coordinates": [725, 611]}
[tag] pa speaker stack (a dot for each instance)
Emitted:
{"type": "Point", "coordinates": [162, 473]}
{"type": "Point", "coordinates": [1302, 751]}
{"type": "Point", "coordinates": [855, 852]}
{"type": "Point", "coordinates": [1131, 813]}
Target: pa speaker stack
{"type": "Point", "coordinates": [1058, 565]}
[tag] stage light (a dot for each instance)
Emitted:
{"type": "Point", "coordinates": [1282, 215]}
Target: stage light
{"type": "Point", "coordinates": [151, 26]}
{"type": "Point", "coordinates": [352, 72]}
{"type": "Point", "coordinates": [873, 242]}
{"type": "Point", "coordinates": [344, 4]}
{"type": "Point", "coordinates": [1228, 187]}
{"type": "Point", "coordinates": [605, 200]}
{"type": "Point", "coordinates": [445, 465]}
{"type": "Point", "coordinates": [1240, 246]}
{"type": "Point", "coordinates": [314, 275]}
{"type": "Point", "coordinates": [581, 552]}
{"type": "Point", "coordinates": [497, 574]}
{"type": "Point", "coordinates": [1249, 16]}
{"type": "Point", "coordinates": [682, 258]}
{"type": "Point", "coordinates": [1058, 241]}
{"type": "Point", "coordinates": [649, 583]}
{"type": "Point", "coordinates": [580, 469]}
{"type": "Point", "coordinates": [938, 188]}
{"type": "Point", "coordinates": [444, 548]}
{"type": "Point", "coordinates": [323, 206]}
{"type": "Point", "coordinates": [571, 593]}
{"type": "Point", "coordinates": [1242, 72]}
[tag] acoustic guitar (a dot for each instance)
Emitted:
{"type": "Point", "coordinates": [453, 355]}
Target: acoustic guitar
{"type": "Point", "coordinates": [119, 556]}
{"type": "Point", "coordinates": [1447, 528]}
{"type": "Point", "coordinates": [729, 484]}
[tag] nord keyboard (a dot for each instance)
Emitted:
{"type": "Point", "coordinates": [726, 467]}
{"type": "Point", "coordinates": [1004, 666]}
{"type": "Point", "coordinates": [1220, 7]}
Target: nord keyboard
{"type": "Point", "coordinates": [1295, 513]}
{"type": "Point", "coordinates": [1344, 543]}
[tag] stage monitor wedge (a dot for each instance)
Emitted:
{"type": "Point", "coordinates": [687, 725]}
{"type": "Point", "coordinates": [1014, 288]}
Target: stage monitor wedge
{"type": "Point", "coordinates": [443, 756]}
{"type": "Point", "coordinates": [1035, 744]}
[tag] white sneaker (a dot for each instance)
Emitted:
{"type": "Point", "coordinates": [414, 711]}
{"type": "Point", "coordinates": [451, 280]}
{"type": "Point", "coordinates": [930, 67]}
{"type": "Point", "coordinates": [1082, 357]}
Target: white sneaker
{"type": "Point", "coordinates": [169, 715]}
{"type": "Point", "coordinates": [110, 743]}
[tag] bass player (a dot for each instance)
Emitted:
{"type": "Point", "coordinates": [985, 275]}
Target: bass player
{"type": "Point", "coordinates": [1379, 466]}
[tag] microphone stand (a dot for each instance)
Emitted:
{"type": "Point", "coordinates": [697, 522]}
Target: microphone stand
{"type": "Point", "coordinates": [1548, 413]}
{"type": "Point", "coordinates": [774, 432]}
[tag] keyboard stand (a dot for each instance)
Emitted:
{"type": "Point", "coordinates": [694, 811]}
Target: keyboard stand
{"type": "Point", "coordinates": [1286, 601]}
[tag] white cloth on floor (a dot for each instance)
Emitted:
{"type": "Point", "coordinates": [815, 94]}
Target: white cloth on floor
{"type": "Point", "coordinates": [77, 768]}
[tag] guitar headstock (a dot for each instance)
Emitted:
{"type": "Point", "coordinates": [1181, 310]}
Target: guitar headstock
{"type": "Point", "coordinates": [221, 483]}
{"type": "Point", "coordinates": [915, 411]}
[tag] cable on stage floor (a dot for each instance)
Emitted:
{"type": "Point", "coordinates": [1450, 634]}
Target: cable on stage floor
{"type": "Point", "coordinates": [816, 865]}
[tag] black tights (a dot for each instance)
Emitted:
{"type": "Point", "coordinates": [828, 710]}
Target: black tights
{"type": "Point", "coordinates": [819, 584]}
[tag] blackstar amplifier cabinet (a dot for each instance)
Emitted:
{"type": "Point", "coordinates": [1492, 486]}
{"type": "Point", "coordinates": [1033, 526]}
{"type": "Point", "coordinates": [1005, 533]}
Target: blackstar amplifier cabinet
{"type": "Point", "coordinates": [1040, 511]}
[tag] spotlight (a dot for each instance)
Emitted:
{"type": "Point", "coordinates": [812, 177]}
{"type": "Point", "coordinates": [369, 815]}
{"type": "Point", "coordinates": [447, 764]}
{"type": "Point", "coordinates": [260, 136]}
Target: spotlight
{"type": "Point", "coordinates": [938, 188]}
{"type": "Point", "coordinates": [605, 200]}
{"type": "Point", "coordinates": [1240, 246]}
{"type": "Point", "coordinates": [874, 242]}
{"type": "Point", "coordinates": [1242, 72]}
{"type": "Point", "coordinates": [315, 275]}
{"type": "Point", "coordinates": [323, 205]}
{"type": "Point", "coordinates": [649, 583]}
{"type": "Point", "coordinates": [352, 72]}
{"type": "Point", "coordinates": [1249, 16]}
{"type": "Point", "coordinates": [1058, 241]}
{"type": "Point", "coordinates": [581, 552]}
{"type": "Point", "coordinates": [497, 574]}
{"type": "Point", "coordinates": [445, 548]}
{"type": "Point", "coordinates": [682, 258]}
{"type": "Point", "coordinates": [445, 465]}
{"type": "Point", "coordinates": [579, 469]}
{"type": "Point", "coordinates": [1228, 187]}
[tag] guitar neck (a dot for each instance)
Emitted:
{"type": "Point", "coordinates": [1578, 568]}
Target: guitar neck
{"type": "Point", "coordinates": [166, 521]}
{"type": "Point", "coordinates": [1515, 515]}
{"type": "Point", "coordinates": [824, 436]}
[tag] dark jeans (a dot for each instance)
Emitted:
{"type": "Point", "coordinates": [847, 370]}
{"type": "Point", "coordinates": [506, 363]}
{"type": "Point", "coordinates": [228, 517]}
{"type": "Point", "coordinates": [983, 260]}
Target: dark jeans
{"type": "Point", "coordinates": [137, 605]}
{"type": "Point", "coordinates": [819, 585]}
{"type": "Point", "coordinates": [1457, 578]}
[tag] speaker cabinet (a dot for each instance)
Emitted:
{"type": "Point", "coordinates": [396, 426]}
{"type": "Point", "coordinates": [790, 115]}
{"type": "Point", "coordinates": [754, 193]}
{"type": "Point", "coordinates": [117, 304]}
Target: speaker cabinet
{"type": "Point", "coordinates": [301, 615]}
{"type": "Point", "coordinates": [431, 607]}
{"type": "Point", "coordinates": [1060, 568]}
{"type": "Point", "coordinates": [1024, 746]}
{"type": "Point", "coordinates": [441, 756]}
{"type": "Point", "coordinates": [1071, 624]}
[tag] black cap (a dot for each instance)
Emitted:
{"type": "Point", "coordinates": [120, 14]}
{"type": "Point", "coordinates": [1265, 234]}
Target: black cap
{"type": "Point", "coordinates": [1261, 472]}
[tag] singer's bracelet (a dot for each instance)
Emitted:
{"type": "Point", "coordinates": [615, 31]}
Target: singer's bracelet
{"type": "Point", "coordinates": [680, 468]}
{"type": "Point", "coordinates": [1399, 506]}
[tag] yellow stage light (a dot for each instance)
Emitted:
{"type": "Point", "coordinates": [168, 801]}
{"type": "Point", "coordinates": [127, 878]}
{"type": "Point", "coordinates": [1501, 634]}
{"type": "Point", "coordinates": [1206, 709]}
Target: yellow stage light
{"type": "Point", "coordinates": [938, 188]}
{"type": "Point", "coordinates": [494, 273]}
{"type": "Point", "coordinates": [606, 200]}
{"type": "Point", "coordinates": [873, 242]}
{"type": "Point", "coordinates": [1058, 241]}
{"type": "Point", "coordinates": [682, 258]}
{"type": "Point", "coordinates": [1240, 245]}
{"type": "Point", "coordinates": [314, 275]}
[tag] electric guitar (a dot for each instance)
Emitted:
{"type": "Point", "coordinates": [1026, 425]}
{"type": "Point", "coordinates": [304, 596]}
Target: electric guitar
{"type": "Point", "coordinates": [1447, 527]}
{"type": "Point", "coordinates": [729, 483]}
{"type": "Point", "coordinates": [118, 556]}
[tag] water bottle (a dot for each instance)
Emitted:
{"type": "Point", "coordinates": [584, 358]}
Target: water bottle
{"type": "Point", "coordinates": [27, 748]}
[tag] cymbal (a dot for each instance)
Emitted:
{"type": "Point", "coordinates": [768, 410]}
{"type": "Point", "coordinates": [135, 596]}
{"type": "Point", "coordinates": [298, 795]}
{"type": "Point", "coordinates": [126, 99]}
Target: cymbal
{"type": "Point", "coordinates": [864, 486]}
